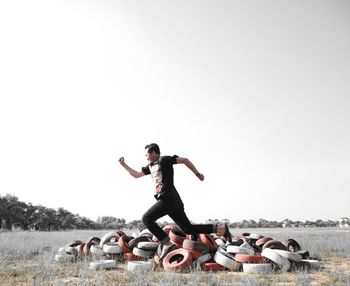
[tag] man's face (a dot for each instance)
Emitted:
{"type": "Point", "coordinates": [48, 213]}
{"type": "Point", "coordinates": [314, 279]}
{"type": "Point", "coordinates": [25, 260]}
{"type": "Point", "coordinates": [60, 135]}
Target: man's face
{"type": "Point", "coordinates": [151, 156]}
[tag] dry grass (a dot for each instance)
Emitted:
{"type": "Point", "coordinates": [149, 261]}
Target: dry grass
{"type": "Point", "coordinates": [27, 258]}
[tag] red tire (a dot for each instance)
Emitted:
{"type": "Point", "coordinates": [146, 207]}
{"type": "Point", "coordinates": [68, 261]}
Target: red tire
{"type": "Point", "coordinates": [123, 243]}
{"type": "Point", "coordinates": [246, 258]}
{"type": "Point", "coordinates": [194, 245]}
{"type": "Point", "coordinates": [80, 249]}
{"type": "Point", "coordinates": [129, 256]}
{"type": "Point", "coordinates": [195, 254]}
{"type": "Point", "coordinates": [178, 259]}
{"type": "Point", "coordinates": [209, 241]}
{"type": "Point", "coordinates": [120, 232]}
{"type": "Point", "coordinates": [261, 241]}
{"type": "Point", "coordinates": [168, 228]}
{"type": "Point", "coordinates": [292, 245]}
{"type": "Point", "coordinates": [177, 236]}
{"type": "Point", "coordinates": [212, 266]}
{"type": "Point", "coordinates": [89, 242]}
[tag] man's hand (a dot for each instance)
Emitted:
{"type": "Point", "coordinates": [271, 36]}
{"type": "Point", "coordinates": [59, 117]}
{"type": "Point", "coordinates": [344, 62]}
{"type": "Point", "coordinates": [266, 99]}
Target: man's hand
{"type": "Point", "coordinates": [200, 176]}
{"type": "Point", "coordinates": [121, 161]}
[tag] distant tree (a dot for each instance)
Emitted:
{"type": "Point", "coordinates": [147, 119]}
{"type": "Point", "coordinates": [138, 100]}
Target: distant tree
{"type": "Point", "coordinates": [137, 224]}
{"type": "Point", "coordinates": [66, 220]}
{"type": "Point", "coordinates": [110, 222]}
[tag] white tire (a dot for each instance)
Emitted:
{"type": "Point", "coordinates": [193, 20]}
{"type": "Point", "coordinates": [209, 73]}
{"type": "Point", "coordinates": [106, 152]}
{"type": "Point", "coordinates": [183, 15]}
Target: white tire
{"type": "Point", "coordinates": [63, 258]}
{"type": "Point", "coordinates": [220, 242]}
{"type": "Point", "coordinates": [71, 250]}
{"type": "Point", "coordinates": [147, 233]}
{"type": "Point", "coordinates": [255, 236]}
{"type": "Point", "coordinates": [264, 268]}
{"type": "Point", "coordinates": [247, 246]}
{"type": "Point", "coordinates": [279, 260]}
{"type": "Point", "coordinates": [111, 248]}
{"type": "Point", "coordinates": [96, 250]}
{"type": "Point", "coordinates": [314, 264]}
{"type": "Point", "coordinates": [237, 249]}
{"type": "Point", "coordinates": [291, 256]}
{"type": "Point", "coordinates": [103, 264]}
{"type": "Point", "coordinates": [140, 265]}
{"type": "Point", "coordinates": [226, 261]}
{"type": "Point", "coordinates": [109, 237]}
{"type": "Point", "coordinates": [148, 245]}
{"type": "Point", "coordinates": [62, 250]}
{"type": "Point", "coordinates": [143, 253]}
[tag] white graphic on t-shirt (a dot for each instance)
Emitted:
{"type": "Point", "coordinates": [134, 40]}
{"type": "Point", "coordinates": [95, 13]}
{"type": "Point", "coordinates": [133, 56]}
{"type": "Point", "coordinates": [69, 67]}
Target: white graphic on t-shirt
{"type": "Point", "coordinates": [156, 173]}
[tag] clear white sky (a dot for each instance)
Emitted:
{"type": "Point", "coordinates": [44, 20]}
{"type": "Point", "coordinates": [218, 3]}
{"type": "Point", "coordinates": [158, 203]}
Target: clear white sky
{"type": "Point", "coordinates": [255, 93]}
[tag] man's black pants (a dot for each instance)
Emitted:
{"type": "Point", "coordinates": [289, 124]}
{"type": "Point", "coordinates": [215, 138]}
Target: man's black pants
{"type": "Point", "coordinates": [174, 208]}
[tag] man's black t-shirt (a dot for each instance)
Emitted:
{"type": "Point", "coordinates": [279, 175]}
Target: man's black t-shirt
{"type": "Point", "coordinates": [162, 172]}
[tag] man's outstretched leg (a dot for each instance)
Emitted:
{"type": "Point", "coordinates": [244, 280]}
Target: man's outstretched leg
{"type": "Point", "coordinates": [180, 218]}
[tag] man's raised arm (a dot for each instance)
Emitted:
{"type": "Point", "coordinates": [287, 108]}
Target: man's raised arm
{"type": "Point", "coordinates": [131, 171]}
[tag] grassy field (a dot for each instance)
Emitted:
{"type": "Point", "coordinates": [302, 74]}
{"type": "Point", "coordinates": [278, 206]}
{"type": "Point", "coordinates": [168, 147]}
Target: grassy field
{"type": "Point", "coordinates": [27, 258]}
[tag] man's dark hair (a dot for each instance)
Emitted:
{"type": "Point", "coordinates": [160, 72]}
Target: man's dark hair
{"type": "Point", "coordinates": [153, 147]}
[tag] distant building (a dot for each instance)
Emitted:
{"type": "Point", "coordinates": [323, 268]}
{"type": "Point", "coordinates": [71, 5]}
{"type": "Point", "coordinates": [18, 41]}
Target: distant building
{"type": "Point", "coordinates": [287, 223]}
{"type": "Point", "coordinates": [344, 222]}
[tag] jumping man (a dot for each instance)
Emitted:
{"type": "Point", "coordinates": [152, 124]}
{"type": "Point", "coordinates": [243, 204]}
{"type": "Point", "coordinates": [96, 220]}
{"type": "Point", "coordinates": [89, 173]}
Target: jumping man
{"type": "Point", "coordinates": [168, 199]}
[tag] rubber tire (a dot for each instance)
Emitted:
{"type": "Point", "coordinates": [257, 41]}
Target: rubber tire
{"type": "Point", "coordinates": [123, 243]}
{"type": "Point", "coordinates": [195, 246]}
{"type": "Point", "coordinates": [103, 264]}
{"type": "Point", "coordinates": [227, 261]}
{"type": "Point", "coordinates": [146, 233]}
{"type": "Point", "coordinates": [202, 259]}
{"type": "Point", "coordinates": [209, 241]}
{"type": "Point", "coordinates": [62, 250]}
{"type": "Point", "coordinates": [274, 244]}
{"type": "Point", "coordinates": [179, 259]}
{"type": "Point", "coordinates": [279, 260]}
{"type": "Point", "coordinates": [96, 250]}
{"type": "Point", "coordinates": [111, 248]}
{"type": "Point", "coordinates": [260, 268]}
{"type": "Point", "coordinates": [111, 236]}
{"type": "Point", "coordinates": [177, 236]}
{"type": "Point", "coordinates": [246, 258]}
{"type": "Point", "coordinates": [140, 265]}
{"type": "Point", "coordinates": [71, 250]}
{"type": "Point", "coordinates": [80, 249]}
{"type": "Point", "coordinates": [133, 243]}
{"type": "Point", "coordinates": [148, 245]}
{"type": "Point", "coordinates": [212, 266]}
{"type": "Point", "coordinates": [130, 257]}
{"type": "Point", "coordinates": [143, 253]}
{"type": "Point", "coordinates": [74, 243]}
{"type": "Point", "coordinates": [314, 264]}
{"type": "Point", "coordinates": [195, 254]}
{"type": "Point", "coordinates": [291, 256]}
{"type": "Point", "coordinates": [64, 258]}
{"type": "Point", "coordinates": [261, 241]}
{"type": "Point", "coordinates": [255, 236]}
{"type": "Point", "coordinates": [292, 245]}
{"type": "Point", "coordinates": [220, 242]}
{"type": "Point", "coordinates": [239, 250]}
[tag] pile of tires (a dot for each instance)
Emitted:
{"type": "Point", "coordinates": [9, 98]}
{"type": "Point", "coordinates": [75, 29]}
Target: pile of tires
{"type": "Point", "coordinates": [248, 252]}
{"type": "Point", "coordinates": [113, 248]}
